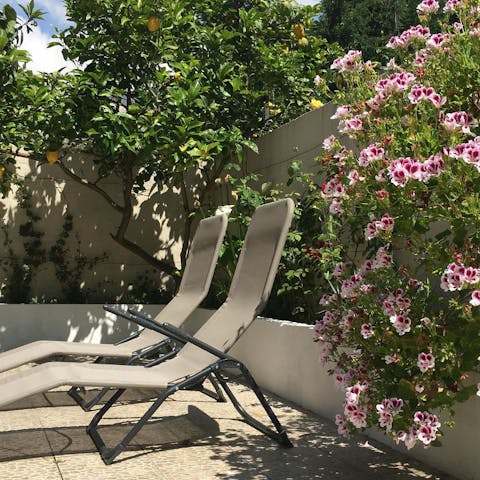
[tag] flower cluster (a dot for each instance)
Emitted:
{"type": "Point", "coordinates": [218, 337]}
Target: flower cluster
{"type": "Point", "coordinates": [406, 294]}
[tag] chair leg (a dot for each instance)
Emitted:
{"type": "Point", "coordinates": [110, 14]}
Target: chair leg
{"type": "Point", "coordinates": [279, 434]}
{"type": "Point", "coordinates": [216, 395]}
{"type": "Point", "coordinates": [109, 454]}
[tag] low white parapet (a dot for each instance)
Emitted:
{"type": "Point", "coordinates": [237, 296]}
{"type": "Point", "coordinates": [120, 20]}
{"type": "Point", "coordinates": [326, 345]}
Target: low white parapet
{"type": "Point", "coordinates": [281, 355]}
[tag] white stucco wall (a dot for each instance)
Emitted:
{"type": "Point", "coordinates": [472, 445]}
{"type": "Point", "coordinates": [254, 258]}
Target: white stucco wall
{"type": "Point", "coordinates": [281, 355]}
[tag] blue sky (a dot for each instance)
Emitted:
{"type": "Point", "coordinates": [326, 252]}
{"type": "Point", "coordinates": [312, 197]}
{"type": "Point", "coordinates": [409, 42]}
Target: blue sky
{"type": "Point", "coordinates": [46, 59]}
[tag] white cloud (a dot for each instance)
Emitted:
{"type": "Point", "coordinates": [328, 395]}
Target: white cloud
{"type": "Point", "coordinates": [56, 8]}
{"type": "Point", "coordinates": [44, 59]}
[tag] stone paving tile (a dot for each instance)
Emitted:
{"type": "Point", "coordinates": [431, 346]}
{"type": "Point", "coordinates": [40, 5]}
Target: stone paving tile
{"type": "Point", "coordinates": [197, 438]}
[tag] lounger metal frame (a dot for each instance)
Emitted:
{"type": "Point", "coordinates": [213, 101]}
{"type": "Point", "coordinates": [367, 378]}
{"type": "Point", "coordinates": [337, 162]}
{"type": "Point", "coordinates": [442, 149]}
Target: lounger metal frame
{"type": "Point", "coordinates": [168, 348]}
{"type": "Point", "coordinates": [217, 369]}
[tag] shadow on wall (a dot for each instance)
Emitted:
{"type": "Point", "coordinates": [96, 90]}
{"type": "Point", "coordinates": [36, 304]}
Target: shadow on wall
{"type": "Point", "coordinates": [53, 211]}
{"type": "Point", "coordinates": [22, 324]}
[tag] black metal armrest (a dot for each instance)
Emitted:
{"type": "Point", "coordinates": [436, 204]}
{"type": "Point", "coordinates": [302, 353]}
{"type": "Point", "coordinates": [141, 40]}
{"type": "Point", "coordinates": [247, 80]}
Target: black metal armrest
{"type": "Point", "coordinates": [179, 335]}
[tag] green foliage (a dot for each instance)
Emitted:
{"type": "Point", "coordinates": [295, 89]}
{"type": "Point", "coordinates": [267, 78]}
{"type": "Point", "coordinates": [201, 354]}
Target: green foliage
{"type": "Point", "coordinates": [11, 55]}
{"type": "Point", "coordinates": [170, 106]}
{"type": "Point", "coordinates": [366, 25]}
{"type": "Point", "coordinates": [20, 270]}
{"type": "Point", "coordinates": [70, 269]}
{"type": "Point", "coordinates": [306, 258]}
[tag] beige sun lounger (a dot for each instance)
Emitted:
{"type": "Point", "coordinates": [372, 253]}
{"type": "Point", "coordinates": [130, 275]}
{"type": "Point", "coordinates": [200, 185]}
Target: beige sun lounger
{"type": "Point", "coordinates": [193, 288]}
{"type": "Point", "coordinates": [202, 356]}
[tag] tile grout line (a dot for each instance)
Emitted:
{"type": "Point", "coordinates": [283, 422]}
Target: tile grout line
{"type": "Point", "coordinates": [50, 446]}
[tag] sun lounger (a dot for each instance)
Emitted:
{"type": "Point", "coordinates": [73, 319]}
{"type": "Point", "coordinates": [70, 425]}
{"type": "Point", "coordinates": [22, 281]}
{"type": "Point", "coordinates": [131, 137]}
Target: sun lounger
{"type": "Point", "coordinates": [203, 355]}
{"type": "Point", "coordinates": [146, 343]}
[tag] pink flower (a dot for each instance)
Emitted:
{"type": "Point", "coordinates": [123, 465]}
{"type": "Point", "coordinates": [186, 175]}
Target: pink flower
{"type": "Point", "coordinates": [452, 5]}
{"type": "Point", "coordinates": [453, 277]}
{"type": "Point", "coordinates": [391, 359]}
{"type": "Point", "coordinates": [381, 176]}
{"type": "Point", "coordinates": [354, 177]}
{"type": "Point", "coordinates": [333, 189]}
{"type": "Point", "coordinates": [472, 275]}
{"type": "Point", "coordinates": [401, 324]}
{"type": "Point", "coordinates": [425, 361]}
{"type": "Point", "coordinates": [458, 121]}
{"type": "Point", "coordinates": [428, 6]}
{"type": "Point", "coordinates": [328, 143]}
{"type": "Point", "coordinates": [342, 425]}
{"type": "Point", "coordinates": [478, 389]}
{"type": "Point", "coordinates": [366, 331]}
{"type": "Point", "coordinates": [385, 224]}
{"type": "Point", "coordinates": [341, 112]}
{"type": "Point", "coordinates": [475, 300]}
{"type": "Point", "coordinates": [437, 40]}
{"type": "Point", "coordinates": [351, 126]}
{"type": "Point", "coordinates": [417, 93]}
{"type": "Point", "coordinates": [469, 152]}
{"type": "Point", "coordinates": [408, 36]}
{"type": "Point", "coordinates": [356, 415]}
{"type": "Point", "coordinates": [432, 167]}
{"type": "Point", "coordinates": [335, 207]}
{"type": "Point", "coordinates": [351, 62]}
{"type": "Point", "coordinates": [370, 154]}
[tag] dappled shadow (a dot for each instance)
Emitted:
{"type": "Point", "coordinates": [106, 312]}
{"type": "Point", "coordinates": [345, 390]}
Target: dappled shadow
{"type": "Point", "coordinates": [165, 433]}
{"type": "Point", "coordinates": [318, 453]}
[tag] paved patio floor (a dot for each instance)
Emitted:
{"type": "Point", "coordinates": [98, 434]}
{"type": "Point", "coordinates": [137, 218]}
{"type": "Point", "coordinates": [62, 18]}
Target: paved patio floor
{"type": "Point", "coordinates": [44, 438]}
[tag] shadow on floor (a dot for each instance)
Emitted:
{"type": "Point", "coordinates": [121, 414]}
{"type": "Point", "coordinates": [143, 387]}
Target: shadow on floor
{"type": "Point", "coordinates": [318, 453]}
{"type": "Point", "coordinates": [165, 433]}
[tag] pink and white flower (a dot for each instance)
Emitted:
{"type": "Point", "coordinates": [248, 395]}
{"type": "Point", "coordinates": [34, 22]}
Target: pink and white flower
{"type": "Point", "coordinates": [391, 359]}
{"type": "Point", "coordinates": [370, 154]}
{"type": "Point", "coordinates": [458, 121]}
{"type": "Point", "coordinates": [351, 62]}
{"type": "Point", "coordinates": [428, 6]}
{"type": "Point", "coordinates": [328, 143]}
{"type": "Point", "coordinates": [351, 126]}
{"type": "Point", "coordinates": [401, 323]}
{"type": "Point", "coordinates": [452, 5]}
{"type": "Point", "coordinates": [426, 361]}
{"type": "Point", "coordinates": [385, 224]}
{"type": "Point", "coordinates": [366, 331]}
{"type": "Point", "coordinates": [475, 299]}
{"type": "Point", "coordinates": [438, 40]}
{"type": "Point", "coordinates": [341, 112]}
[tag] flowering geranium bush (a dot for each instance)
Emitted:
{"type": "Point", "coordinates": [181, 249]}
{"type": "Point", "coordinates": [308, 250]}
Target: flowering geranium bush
{"type": "Point", "coordinates": [402, 323]}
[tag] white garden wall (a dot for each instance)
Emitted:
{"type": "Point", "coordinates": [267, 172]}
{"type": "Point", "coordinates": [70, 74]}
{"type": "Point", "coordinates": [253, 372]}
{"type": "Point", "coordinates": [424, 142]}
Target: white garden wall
{"type": "Point", "coordinates": [281, 355]}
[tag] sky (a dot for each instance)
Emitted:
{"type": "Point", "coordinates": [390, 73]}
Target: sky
{"type": "Point", "coordinates": [46, 59]}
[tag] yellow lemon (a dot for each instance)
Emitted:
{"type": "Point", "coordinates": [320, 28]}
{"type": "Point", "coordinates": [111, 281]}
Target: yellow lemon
{"type": "Point", "coordinates": [52, 156]}
{"type": "Point", "coordinates": [303, 42]}
{"type": "Point", "coordinates": [314, 103]}
{"type": "Point", "coordinates": [153, 24]}
{"type": "Point", "coordinates": [2, 171]}
{"type": "Point", "coordinates": [298, 31]}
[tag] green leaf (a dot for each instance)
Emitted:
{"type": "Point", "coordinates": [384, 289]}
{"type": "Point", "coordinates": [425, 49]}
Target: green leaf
{"type": "Point", "coordinates": [3, 39]}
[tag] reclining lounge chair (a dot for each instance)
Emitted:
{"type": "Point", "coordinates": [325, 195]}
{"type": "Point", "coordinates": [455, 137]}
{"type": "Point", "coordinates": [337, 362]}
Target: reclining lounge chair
{"type": "Point", "coordinates": [144, 343]}
{"type": "Point", "coordinates": [202, 355]}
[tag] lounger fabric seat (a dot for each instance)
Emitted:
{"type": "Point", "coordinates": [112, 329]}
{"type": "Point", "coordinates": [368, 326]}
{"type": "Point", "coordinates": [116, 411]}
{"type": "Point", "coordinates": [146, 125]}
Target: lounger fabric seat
{"type": "Point", "coordinates": [203, 355]}
{"type": "Point", "coordinates": [193, 289]}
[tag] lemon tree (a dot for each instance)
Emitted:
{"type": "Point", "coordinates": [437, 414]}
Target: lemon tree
{"type": "Point", "coordinates": [171, 92]}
